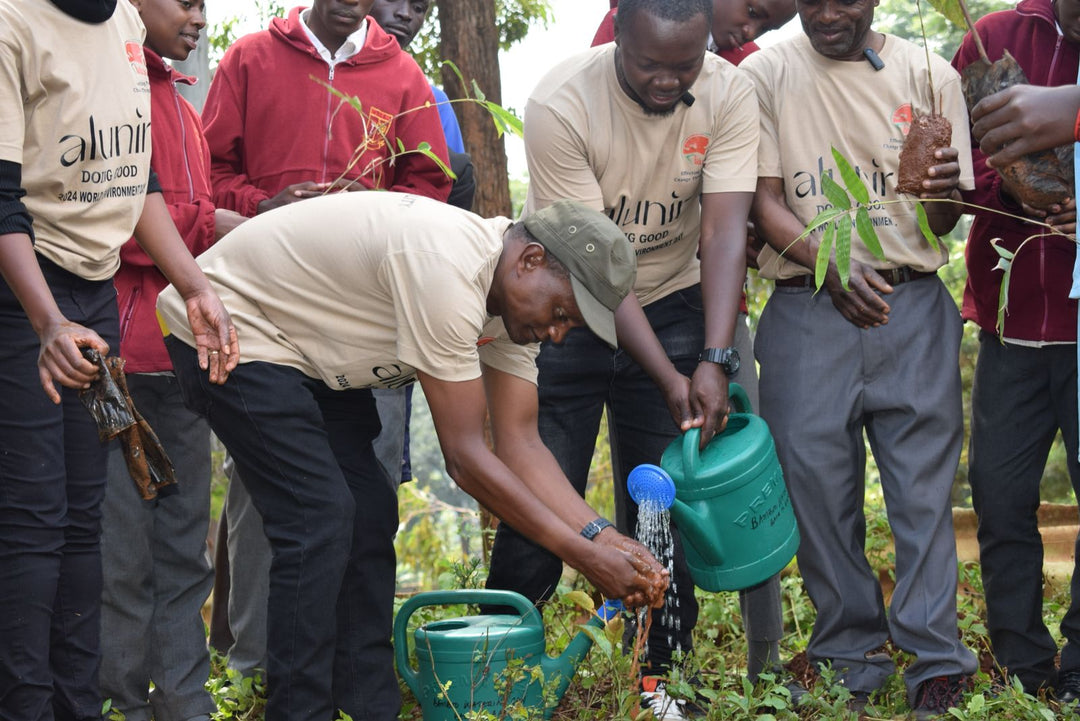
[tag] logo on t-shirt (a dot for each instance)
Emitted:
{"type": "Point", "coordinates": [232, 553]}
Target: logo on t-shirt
{"type": "Point", "coordinates": [693, 148]}
{"type": "Point", "coordinates": [901, 118]}
{"type": "Point", "coordinates": [376, 127]}
{"type": "Point", "coordinates": [135, 56]}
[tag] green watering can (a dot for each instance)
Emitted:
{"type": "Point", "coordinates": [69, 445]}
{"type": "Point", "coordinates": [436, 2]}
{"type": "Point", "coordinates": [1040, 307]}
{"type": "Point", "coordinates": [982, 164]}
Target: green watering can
{"type": "Point", "coordinates": [728, 501]}
{"type": "Point", "coordinates": [471, 653]}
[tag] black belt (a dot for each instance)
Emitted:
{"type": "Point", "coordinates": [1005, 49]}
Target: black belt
{"type": "Point", "coordinates": [892, 276]}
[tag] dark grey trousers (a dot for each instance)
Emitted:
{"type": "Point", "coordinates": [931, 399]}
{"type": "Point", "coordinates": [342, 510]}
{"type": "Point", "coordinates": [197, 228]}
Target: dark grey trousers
{"type": "Point", "coordinates": [824, 382]}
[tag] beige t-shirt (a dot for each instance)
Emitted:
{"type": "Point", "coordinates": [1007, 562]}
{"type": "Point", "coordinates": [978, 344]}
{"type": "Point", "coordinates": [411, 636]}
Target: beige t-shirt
{"type": "Point", "coordinates": [362, 290]}
{"type": "Point", "coordinates": [75, 113]}
{"type": "Point", "coordinates": [586, 140]}
{"type": "Point", "coordinates": [810, 102]}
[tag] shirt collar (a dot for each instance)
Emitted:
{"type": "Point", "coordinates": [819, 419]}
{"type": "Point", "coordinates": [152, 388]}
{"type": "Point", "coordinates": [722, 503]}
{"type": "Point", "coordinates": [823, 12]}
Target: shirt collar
{"type": "Point", "coordinates": [352, 45]}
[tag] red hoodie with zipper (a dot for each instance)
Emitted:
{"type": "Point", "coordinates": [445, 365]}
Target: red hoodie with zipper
{"type": "Point", "coordinates": [181, 161]}
{"type": "Point", "coordinates": [1039, 308]}
{"type": "Point", "coordinates": [271, 120]}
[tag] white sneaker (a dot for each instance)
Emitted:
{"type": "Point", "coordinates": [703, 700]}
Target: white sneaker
{"type": "Point", "coordinates": [654, 697]}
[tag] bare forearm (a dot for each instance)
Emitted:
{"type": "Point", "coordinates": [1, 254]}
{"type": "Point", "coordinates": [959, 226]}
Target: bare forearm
{"type": "Point", "coordinates": [19, 266]}
{"type": "Point", "coordinates": [157, 235]}
{"type": "Point", "coordinates": [778, 226]}
{"type": "Point", "coordinates": [637, 338]}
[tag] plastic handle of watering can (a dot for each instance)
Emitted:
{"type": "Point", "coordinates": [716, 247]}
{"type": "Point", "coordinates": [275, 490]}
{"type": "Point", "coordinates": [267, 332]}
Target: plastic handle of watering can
{"type": "Point", "coordinates": [739, 401]}
{"type": "Point", "coordinates": [529, 617]}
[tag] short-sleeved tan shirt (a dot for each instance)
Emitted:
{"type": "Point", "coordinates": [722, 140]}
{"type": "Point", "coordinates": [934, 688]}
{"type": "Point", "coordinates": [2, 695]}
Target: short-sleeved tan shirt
{"type": "Point", "coordinates": [362, 290]}
{"type": "Point", "coordinates": [810, 103]}
{"type": "Point", "coordinates": [75, 114]}
{"type": "Point", "coordinates": [585, 139]}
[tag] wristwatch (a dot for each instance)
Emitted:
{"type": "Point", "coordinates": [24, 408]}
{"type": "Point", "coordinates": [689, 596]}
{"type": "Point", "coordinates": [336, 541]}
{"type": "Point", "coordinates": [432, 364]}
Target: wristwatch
{"type": "Point", "coordinates": [726, 358]}
{"type": "Point", "coordinates": [592, 528]}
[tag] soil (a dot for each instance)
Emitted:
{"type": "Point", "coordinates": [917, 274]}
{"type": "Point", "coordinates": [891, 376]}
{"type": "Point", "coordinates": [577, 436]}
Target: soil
{"type": "Point", "coordinates": [927, 134]}
{"type": "Point", "coordinates": [1039, 179]}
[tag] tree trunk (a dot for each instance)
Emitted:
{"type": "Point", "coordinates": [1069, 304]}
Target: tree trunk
{"type": "Point", "coordinates": [469, 39]}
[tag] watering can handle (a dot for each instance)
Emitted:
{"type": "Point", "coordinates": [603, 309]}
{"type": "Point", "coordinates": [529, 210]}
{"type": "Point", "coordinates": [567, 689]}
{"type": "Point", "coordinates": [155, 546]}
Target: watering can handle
{"type": "Point", "coordinates": [529, 616]}
{"type": "Point", "coordinates": [739, 401]}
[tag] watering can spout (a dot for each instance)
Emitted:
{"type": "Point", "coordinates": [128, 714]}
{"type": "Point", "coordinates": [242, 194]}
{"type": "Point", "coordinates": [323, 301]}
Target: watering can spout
{"type": "Point", "coordinates": [562, 667]}
{"type": "Point", "coordinates": [698, 532]}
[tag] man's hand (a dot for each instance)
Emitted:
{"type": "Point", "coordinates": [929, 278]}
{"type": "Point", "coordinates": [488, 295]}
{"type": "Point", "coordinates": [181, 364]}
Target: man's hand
{"type": "Point", "coordinates": [1063, 217]}
{"type": "Point", "coordinates": [709, 399]}
{"type": "Point", "coordinates": [61, 361]}
{"type": "Point", "coordinates": [944, 176]}
{"type": "Point", "coordinates": [628, 570]}
{"type": "Point", "coordinates": [676, 391]}
{"type": "Point", "coordinates": [1024, 119]}
{"type": "Point", "coordinates": [215, 335]}
{"type": "Point", "coordinates": [225, 221]}
{"type": "Point", "coordinates": [293, 193]}
{"type": "Point", "coordinates": [860, 305]}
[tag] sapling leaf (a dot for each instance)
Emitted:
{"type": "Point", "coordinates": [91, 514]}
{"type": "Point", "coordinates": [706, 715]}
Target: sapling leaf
{"type": "Point", "coordinates": [924, 226]}
{"type": "Point", "coordinates": [852, 181]}
{"type": "Point", "coordinates": [505, 121]}
{"type": "Point", "coordinates": [995, 243]}
{"type": "Point", "coordinates": [843, 250]}
{"type": "Point", "coordinates": [479, 93]}
{"type": "Point", "coordinates": [822, 265]}
{"type": "Point", "coordinates": [865, 229]}
{"type": "Point", "coordinates": [819, 220]}
{"type": "Point", "coordinates": [952, 11]}
{"type": "Point", "coordinates": [836, 195]}
{"type": "Point", "coordinates": [424, 148]}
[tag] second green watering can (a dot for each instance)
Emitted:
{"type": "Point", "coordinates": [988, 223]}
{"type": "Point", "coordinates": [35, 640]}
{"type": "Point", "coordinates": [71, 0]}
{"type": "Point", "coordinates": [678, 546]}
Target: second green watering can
{"type": "Point", "coordinates": [730, 503]}
{"type": "Point", "coordinates": [461, 661]}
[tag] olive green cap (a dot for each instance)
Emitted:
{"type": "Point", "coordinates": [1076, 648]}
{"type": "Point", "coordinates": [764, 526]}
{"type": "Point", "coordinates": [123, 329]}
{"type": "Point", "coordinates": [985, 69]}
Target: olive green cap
{"type": "Point", "coordinates": [597, 254]}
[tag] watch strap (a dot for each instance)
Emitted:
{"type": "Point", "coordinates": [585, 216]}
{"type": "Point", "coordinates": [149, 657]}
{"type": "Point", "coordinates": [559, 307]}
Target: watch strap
{"type": "Point", "coordinates": [592, 528]}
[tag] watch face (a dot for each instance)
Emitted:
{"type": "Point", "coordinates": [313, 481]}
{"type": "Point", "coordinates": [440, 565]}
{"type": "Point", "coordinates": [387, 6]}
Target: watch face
{"type": "Point", "coordinates": [733, 363]}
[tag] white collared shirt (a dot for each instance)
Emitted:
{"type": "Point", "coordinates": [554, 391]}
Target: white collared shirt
{"type": "Point", "coordinates": [352, 45]}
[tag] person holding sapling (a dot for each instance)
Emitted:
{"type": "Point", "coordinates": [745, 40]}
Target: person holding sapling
{"type": "Point", "coordinates": [876, 353]}
{"type": "Point", "coordinates": [278, 135]}
{"type": "Point", "coordinates": [1025, 380]}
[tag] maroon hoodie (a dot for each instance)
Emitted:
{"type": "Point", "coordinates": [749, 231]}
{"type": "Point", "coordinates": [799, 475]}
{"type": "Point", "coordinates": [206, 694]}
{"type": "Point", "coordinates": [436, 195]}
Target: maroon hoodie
{"type": "Point", "coordinates": [1039, 307]}
{"type": "Point", "coordinates": [181, 161]}
{"type": "Point", "coordinates": [271, 123]}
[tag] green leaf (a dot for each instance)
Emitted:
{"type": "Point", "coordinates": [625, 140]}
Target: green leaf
{"type": "Point", "coordinates": [1003, 252]}
{"type": "Point", "coordinates": [425, 149]}
{"type": "Point", "coordinates": [505, 121]}
{"type": "Point", "coordinates": [843, 250]}
{"type": "Point", "coordinates": [819, 220]}
{"type": "Point", "coordinates": [1003, 295]}
{"type": "Point", "coordinates": [852, 181]}
{"type": "Point", "coordinates": [822, 265]}
{"type": "Point", "coordinates": [924, 226]}
{"type": "Point", "coordinates": [580, 599]}
{"type": "Point", "coordinates": [836, 195]}
{"type": "Point", "coordinates": [477, 92]}
{"type": "Point", "coordinates": [867, 233]}
{"type": "Point", "coordinates": [952, 12]}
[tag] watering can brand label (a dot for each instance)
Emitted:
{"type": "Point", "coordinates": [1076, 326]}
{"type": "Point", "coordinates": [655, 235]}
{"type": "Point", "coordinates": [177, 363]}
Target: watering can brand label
{"type": "Point", "coordinates": [767, 507]}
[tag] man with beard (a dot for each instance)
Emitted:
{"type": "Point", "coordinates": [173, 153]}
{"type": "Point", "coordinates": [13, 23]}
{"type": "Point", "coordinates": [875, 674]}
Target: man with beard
{"type": "Point", "coordinates": [661, 137]}
{"type": "Point", "coordinates": [847, 361]}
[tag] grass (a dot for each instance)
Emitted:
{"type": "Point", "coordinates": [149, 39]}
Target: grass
{"type": "Point", "coordinates": [602, 689]}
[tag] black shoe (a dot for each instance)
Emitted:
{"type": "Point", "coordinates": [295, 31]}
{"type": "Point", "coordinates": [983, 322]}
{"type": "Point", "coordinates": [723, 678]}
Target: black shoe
{"type": "Point", "coordinates": [1067, 689]}
{"type": "Point", "coordinates": [935, 696]}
